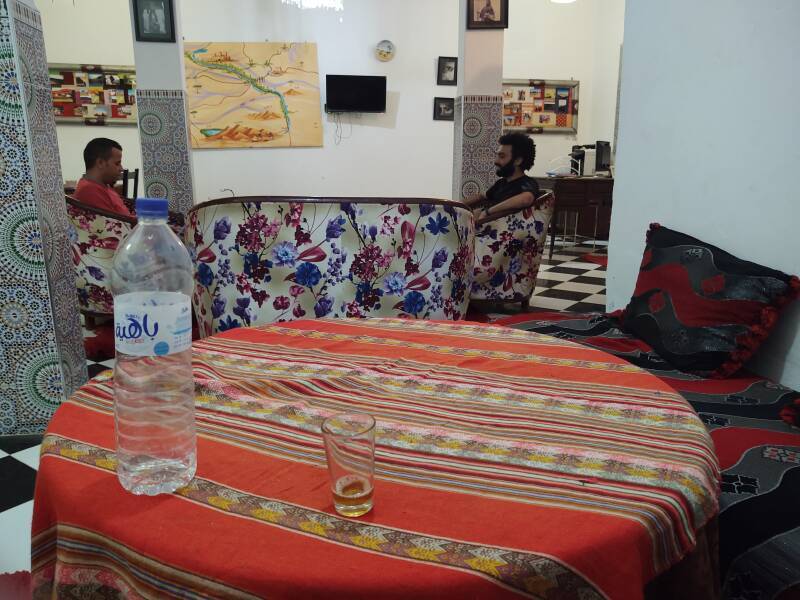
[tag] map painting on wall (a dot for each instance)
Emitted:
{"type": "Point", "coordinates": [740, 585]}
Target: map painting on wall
{"type": "Point", "coordinates": [253, 95]}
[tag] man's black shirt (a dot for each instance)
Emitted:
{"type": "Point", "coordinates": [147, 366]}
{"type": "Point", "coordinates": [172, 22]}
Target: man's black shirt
{"type": "Point", "coordinates": [503, 189]}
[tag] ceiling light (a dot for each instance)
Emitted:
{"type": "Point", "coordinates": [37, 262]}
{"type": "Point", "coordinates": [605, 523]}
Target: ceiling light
{"type": "Point", "coordinates": [562, 1]}
{"type": "Point", "coordinates": [334, 4]}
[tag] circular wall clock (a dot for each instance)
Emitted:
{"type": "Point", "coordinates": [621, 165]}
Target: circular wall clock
{"type": "Point", "coordinates": [384, 51]}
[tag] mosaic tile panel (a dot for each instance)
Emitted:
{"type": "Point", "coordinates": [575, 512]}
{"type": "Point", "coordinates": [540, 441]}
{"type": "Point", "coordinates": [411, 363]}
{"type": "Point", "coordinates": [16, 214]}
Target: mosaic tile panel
{"type": "Point", "coordinates": [30, 52]}
{"type": "Point", "coordinates": [165, 147]}
{"type": "Point", "coordinates": [479, 124]}
{"type": "Point", "coordinates": [51, 208]}
{"type": "Point", "coordinates": [458, 141]}
{"type": "Point", "coordinates": [41, 345]}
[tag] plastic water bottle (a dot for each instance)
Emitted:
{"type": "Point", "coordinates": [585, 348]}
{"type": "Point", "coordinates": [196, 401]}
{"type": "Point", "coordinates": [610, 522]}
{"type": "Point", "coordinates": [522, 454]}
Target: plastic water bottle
{"type": "Point", "coordinates": [153, 386]}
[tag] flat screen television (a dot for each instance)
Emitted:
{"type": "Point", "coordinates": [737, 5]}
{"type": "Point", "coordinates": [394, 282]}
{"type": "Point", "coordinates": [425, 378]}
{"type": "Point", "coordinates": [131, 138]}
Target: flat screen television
{"type": "Point", "coordinates": [355, 93]}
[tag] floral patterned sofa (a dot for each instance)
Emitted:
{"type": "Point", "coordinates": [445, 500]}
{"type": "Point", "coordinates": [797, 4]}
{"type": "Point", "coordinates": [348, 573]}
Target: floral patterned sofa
{"type": "Point", "coordinates": [508, 252]}
{"type": "Point", "coordinates": [94, 236]}
{"type": "Point", "coordinates": [267, 259]}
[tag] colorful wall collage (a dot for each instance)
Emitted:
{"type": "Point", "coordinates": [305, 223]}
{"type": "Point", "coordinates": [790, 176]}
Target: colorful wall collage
{"type": "Point", "coordinates": [94, 95]}
{"type": "Point", "coordinates": [538, 106]}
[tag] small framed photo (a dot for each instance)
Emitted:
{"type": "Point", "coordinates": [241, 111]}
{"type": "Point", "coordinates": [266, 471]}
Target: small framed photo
{"type": "Point", "coordinates": [487, 14]}
{"type": "Point", "coordinates": [447, 73]}
{"type": "Point", "coordinates": [444, 109]}
{"type": "Point", "coordinates": [155, 21]}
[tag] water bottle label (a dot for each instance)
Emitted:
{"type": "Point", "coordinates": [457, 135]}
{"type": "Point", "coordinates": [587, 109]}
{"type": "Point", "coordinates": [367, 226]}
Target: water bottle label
{"type": "Point", "coordinates": [152, 323]}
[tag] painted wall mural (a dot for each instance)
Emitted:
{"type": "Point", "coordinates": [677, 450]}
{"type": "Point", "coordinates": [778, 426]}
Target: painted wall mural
{"type": "Point", "coordinates": [253, 95]}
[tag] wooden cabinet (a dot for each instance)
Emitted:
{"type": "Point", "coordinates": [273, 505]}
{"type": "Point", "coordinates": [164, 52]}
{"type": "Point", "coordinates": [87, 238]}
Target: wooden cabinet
{"type": "Point", "coordinates": [589, 197]}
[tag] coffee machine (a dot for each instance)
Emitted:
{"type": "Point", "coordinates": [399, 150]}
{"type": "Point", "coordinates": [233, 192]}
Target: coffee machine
{"type": "Point", "coordinates": [578, 159]}
{"type": "Point", "coordinates": [587, 159]}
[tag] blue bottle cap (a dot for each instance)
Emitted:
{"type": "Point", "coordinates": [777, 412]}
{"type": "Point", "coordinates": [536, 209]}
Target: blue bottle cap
{"type": "Point", "coordinates": [152, 207]}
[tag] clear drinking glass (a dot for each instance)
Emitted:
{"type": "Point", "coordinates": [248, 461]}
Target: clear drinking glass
{"type": "Point", "coordinates": [350, 449]}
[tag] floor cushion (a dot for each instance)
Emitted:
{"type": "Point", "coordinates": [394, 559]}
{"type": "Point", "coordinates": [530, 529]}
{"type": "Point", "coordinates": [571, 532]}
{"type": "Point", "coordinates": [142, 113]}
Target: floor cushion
{"type": "Point", "coordinates": [702, 309]}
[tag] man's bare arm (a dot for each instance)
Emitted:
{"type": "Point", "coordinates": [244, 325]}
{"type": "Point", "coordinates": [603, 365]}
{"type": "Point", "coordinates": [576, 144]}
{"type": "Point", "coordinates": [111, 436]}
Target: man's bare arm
{"type": "Point", "coordinates": [474, 199]}
{"type": "Point", "coordinates": [506, 207]}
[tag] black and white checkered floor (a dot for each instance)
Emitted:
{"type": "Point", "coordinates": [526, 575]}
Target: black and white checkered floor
{"type": "Point", "coordinates": [566, 282]}
{"type": "Point", "coordinates": [569, 282]}
{"type": "Point", "coordinates": [19, 460]}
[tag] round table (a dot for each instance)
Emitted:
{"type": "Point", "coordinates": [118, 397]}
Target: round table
{"type": "Point", "coordinates": [508, 464]}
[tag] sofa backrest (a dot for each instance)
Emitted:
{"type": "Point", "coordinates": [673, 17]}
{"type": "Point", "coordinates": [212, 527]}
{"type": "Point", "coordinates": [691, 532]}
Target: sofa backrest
{"type": "Point", "coordinates": [266, 259]}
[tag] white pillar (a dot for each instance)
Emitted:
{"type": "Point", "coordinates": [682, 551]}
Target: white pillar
{"type": "Point", "coordinates": [479, 107]}
{"type": "Point", "coordinates": [163, 118]}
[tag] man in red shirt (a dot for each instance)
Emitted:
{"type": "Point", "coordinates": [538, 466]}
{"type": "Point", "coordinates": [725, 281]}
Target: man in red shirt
{"type": "Point", "coordinates": [103, 159]}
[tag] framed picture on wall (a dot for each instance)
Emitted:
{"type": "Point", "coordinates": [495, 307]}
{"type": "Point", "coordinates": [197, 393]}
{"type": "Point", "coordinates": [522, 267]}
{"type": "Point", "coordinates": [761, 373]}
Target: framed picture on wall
{"type": "Point", "coordinates": [487, 14]}
{"type": "Point", "coordinates": [444, 109]}
{"type": "Point", "coordinates": [155, 21]}
{"type": "Point", "coordinates": [93, 94]}
{"type": "Point", "coordinates": [540, 106]}
{"type": "Point", "coordinates": [447, 72]}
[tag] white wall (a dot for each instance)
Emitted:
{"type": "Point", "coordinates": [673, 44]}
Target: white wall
{"type": "Point", "coordinates": [406, 149]}
{"type": "Point", "coordinates": [89, 32]}
{"type": "Point", "coordinates": [568, 41]}
{"type": "Point", "coordinates": [401, 153]}
{"type": "Point", "coordinates": [708, 142]}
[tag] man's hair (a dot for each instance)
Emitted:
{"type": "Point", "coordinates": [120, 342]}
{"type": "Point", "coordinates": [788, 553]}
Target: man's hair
{"type": "Point", "coordinates": [522, 147]}
{"type": "Point", "coordinates": [98, 148]}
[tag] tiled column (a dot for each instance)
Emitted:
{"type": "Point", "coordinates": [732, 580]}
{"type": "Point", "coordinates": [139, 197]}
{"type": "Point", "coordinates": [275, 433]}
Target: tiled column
{"type": "Point", "coordinates": [41, 344]}
{"type": "Point", "coordinates": [479, 108]}
{"type": "Point", "coordinates": [478, 126]}
{"type": "Point", "coordinates": [165, 147]}
{"type": "Point", "coordinates": [163, 119]}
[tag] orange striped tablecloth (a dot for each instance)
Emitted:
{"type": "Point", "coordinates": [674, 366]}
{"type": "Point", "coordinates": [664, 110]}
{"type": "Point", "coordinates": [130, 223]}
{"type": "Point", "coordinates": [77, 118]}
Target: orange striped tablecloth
{"type": "Point", "coordinates": [508, 464]}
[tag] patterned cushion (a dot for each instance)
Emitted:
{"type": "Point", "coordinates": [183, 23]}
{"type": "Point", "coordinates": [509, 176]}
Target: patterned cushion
{"type": "Point", "coordinates": [508, 252]}
{"type": "Point", "coordinates": [269, 260]}
{"type": "Point", "coordinates": [702, 309]}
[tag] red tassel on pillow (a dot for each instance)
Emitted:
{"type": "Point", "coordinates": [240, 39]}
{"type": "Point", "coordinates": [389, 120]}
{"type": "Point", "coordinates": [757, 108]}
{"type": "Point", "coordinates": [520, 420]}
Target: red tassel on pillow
{"type": "Point", "coordinates": [652, 228]}
{"type": "Point", "coordinates": [794, 292]}
{"type": "Point", "coordinates": [791, 413]}
{"type": "Point", "coordinates": [768, 317]}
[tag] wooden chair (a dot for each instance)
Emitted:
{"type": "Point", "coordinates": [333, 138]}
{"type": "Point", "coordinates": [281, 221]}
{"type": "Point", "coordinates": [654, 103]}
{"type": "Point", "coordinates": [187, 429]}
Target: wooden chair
{"type": "Point", "coordinates": [126, 176]}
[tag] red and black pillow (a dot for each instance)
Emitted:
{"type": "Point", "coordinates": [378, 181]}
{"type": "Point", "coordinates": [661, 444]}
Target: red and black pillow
{"type": "Point", "coordinates": [702, 309]}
